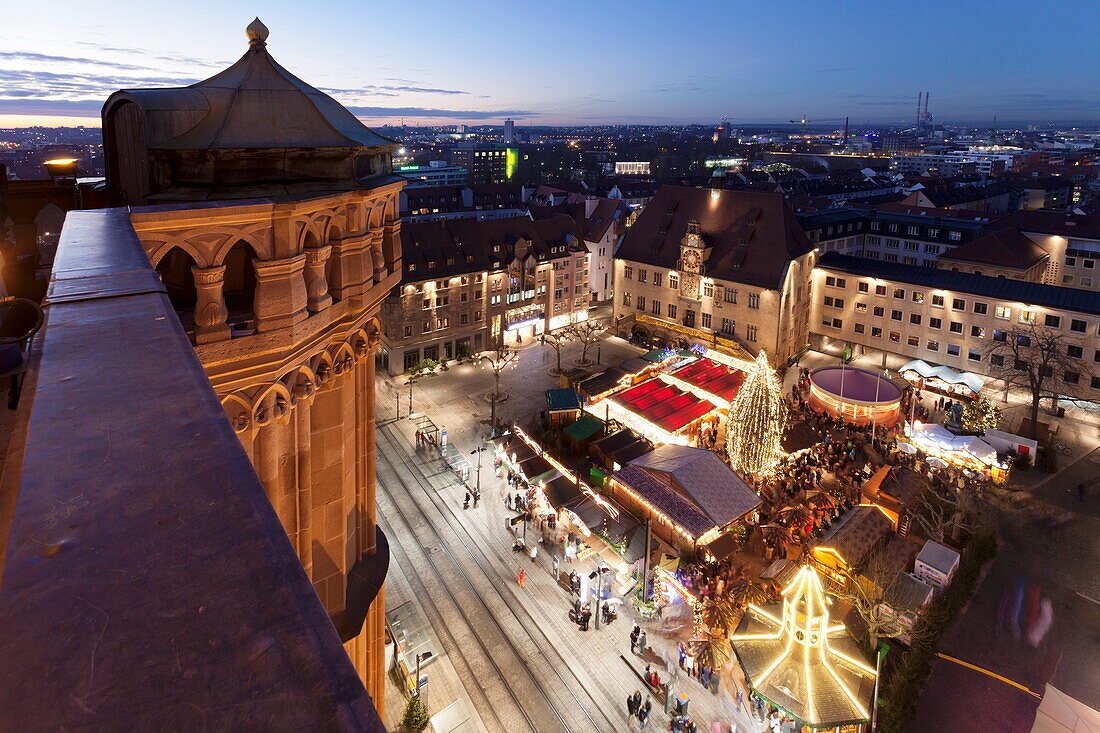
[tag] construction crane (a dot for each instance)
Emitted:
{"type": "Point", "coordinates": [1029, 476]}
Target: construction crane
{"type": "Point", "coordinates": [804, 120]}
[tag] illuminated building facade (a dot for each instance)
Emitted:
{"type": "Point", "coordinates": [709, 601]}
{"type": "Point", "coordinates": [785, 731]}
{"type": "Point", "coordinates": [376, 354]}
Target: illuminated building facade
{"type": "Point", "coordinates": [468, 284]}
{"type": "Point", "coordinates": [729, 269]}
{"type": "Point", "coordinates": [948, 318]}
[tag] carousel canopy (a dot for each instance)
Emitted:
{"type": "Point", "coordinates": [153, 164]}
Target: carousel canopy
{"type": "Point", "coordinates": [853, 385]}
{"type": "Point", "coordinates": [668, 407]}
{"type": "Point", "coordinates": [972, 381]}
{"type": "Point", "coordinates": [797, 657]}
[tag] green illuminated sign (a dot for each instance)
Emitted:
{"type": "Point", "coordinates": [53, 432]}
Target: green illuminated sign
{"type": "Point", "coordinates": [511, 162]}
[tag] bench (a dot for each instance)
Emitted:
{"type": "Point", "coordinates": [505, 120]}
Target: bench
{"type": "Point", "coordinates": [639, 670]}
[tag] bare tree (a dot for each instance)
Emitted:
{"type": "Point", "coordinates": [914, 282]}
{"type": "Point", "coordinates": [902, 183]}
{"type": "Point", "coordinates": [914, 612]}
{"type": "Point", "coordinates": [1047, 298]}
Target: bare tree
{"type": "Point", "coordinates": [1038, 361]}
{"type": "Point", "coordinates": [942, 511]}
{"type": "Point", "coordinates": [587, 333]}
{"type": "Point", "coordinates": [869, 590]}
{"type": "Point", "coordinates": [557, 342]}
{"type": "Point", "coordinates": [498, 358]}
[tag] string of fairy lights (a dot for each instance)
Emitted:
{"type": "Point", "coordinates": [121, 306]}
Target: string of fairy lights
{"type": "Point", "coordinates": [757, 417]}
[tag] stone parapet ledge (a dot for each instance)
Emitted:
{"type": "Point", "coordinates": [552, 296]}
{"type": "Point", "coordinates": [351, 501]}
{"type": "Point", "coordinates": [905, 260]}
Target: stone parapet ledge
{"type": "Point", "coordinates": [148, 583]}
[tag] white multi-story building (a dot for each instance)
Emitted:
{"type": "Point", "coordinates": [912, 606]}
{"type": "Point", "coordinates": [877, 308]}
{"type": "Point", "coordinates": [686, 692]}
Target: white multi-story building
{"type": "Point", "coordinates": [436, 173]}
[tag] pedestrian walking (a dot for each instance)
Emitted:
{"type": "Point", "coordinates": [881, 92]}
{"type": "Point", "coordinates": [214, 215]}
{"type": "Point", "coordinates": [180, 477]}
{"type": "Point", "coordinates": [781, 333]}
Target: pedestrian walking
{"type": "Point", "coordinates": [634, 638]}
{"type": "Point", "coordinates": [521, 577]}
{"type": "Point", "coordinates": [631, 708]}
{"type": "Point", "coordinates": [641, 643]}
{"type": "Point", "coordinates": [533, 551]}
{"type": "Point", "coordinates": [555, 563]}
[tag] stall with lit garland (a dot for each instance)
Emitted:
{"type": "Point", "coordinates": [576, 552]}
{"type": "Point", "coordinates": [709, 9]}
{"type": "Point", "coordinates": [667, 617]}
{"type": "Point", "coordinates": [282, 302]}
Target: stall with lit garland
{"type": "Point", "coordinates": [857, 396]}
{"type": "Point", "coordinates": [659, 412]}
{"type": "Point", "coordinates": [942, 379]}
{"type": "Point", "coordinates": [965, 452]}
{"type": "Point", "coordinates": [796, 657]}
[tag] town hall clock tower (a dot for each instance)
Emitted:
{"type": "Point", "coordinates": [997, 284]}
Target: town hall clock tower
{"type": "Point", "coordinates": [692, 255]}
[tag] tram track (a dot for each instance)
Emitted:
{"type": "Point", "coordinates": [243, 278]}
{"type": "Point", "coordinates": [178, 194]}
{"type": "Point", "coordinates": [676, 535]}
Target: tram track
{"type": "Point", "coordinates": [394, 462]}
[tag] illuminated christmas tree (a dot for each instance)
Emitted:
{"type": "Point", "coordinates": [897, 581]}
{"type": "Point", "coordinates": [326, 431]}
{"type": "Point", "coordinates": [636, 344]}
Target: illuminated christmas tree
{"type": "Point", "coordinates": [756, 421]}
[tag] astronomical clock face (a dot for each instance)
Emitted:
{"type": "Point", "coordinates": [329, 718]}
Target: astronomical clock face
{"type": "Point", "coordinates": [691, 259]}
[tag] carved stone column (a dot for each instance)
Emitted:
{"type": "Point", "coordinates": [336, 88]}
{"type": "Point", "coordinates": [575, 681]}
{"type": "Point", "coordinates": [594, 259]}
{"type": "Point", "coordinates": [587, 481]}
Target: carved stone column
{"type": "Point", "coordinates": [350, 253]}
{"type": "Point", "coordinates": [317, 295]}
{"type": "Point", "coordinates": [391, 245]}
{"type": "Point", "coordinates": [378, 261]}
{"type": "Point", "coordinates": [210, 310]}
{"type": "Point", "coordinates": [280, 292]}
{"type": "Point", "coordinates": [367, 400]}
{"type": "Point", "coordinates": [303, 393]}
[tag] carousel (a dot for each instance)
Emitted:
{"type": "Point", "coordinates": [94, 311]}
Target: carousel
{"type": "Point", "coordinates": [857, 396]}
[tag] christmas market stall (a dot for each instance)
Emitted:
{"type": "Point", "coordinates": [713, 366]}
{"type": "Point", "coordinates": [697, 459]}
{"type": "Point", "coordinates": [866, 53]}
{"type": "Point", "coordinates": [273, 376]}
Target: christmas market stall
{"type": "Point", "coordinates": [858, 396]}
{"type": "Point", "coordinates": [798, 658]}
{"type": "Point", "coordinates": [690, 495]}
{"type": "Point", "coordinates": [708, 379]}
{"type": "Point", "coordinates": [941, 379]}
{"type": "Point", "coordinates": [659, 412]}
{"type": "Point", "coordinates": [961, 451]}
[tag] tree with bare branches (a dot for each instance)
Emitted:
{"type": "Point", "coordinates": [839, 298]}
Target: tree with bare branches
{"type": "Point", "coordinates": [941, 511]}
{"type": "Point", "coordinates": [1040, 361]}
{"type": "Point", "coordinates": [587, 333]}
{"type": "Point", "coordinates": [557, 342]}
{"type": "Point", "coordinates": [498, 359]}
{"type": "Point", "coordinates": [868, 590]}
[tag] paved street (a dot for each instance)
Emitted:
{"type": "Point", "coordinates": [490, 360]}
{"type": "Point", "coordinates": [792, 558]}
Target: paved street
{"type": "Point", "coordinates": [518, 660]}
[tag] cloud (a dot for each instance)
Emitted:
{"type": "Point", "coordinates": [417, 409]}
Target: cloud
{"type": "Point", "coordinates": [41, 57]}
{"type": "Point", "coordinates": [56, 86]}
{"type": "Point", "coordinates": [146, 54]}
{"type": "Point", "coordinates": [68, 108]}
{"type": "Point", "coordinates": [463, 114]}
{"type": "Point", "coordinates": [387, 91]}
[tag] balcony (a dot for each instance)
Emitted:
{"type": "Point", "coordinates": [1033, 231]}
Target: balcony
{"type": "Point", "coordinates": [147, 583]}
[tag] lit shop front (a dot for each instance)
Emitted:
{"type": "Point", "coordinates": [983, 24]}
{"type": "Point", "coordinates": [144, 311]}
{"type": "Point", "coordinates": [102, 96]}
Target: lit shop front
{"type": "Point", "coordinates": [526, 322]}
{"type": "Point", "coordinates": [858, 396]}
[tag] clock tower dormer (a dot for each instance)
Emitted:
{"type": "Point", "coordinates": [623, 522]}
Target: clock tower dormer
{"type": "Point", "coordinates": [693, 252]}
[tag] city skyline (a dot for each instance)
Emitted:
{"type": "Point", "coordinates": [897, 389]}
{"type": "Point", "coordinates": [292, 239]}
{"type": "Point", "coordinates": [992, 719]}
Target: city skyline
{"type": "Point", "coordinates": [411, 63]}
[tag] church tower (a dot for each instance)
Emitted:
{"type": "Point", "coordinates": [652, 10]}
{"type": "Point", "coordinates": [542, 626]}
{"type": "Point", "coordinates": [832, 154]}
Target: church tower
{"type": "Point", "coordinates": [276, 233]}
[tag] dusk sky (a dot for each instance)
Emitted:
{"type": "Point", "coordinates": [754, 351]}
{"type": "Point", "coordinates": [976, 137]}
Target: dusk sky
{"type": "Point", "coordinates": [648, 61]}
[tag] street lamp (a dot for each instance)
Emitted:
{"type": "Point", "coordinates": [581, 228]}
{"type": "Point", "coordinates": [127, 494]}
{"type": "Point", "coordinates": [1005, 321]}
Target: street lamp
{"type": "Point", "coordinates": [419, 657]}
{"type": "Point", "coordinates": [597, 575]}
{"type": "Point", "coordinates": [479, 450]}
{"type": "Point", "coordinates": [411, 383]}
